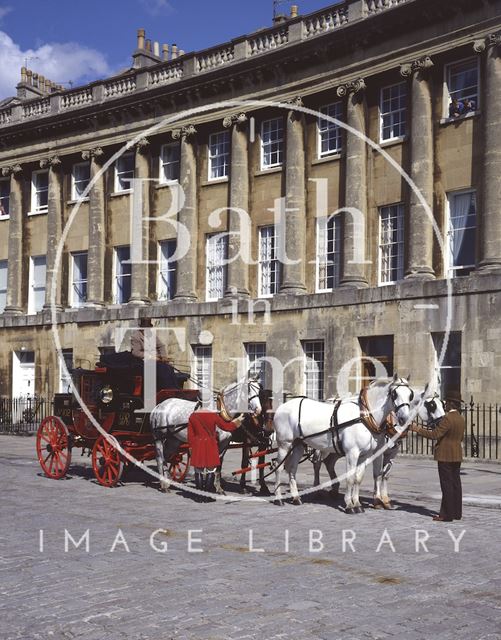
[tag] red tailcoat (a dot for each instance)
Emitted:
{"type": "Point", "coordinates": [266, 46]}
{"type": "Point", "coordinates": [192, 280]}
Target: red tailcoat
{"type": "Point", "coordinates": [202, 437]}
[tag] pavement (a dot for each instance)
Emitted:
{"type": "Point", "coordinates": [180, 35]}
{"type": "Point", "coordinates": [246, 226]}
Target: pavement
{"type": "Point", "coordinates": [155, 566]}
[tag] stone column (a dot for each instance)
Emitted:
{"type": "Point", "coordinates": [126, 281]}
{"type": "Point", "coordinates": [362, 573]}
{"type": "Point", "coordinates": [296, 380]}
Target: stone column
{"type": "Point", "coordinates": [238, 269]}
{"type": "Point", "coordinates": [420, 226]}
{"type": "Point", "coordinates": [188, 215]}
{"type": "Point", "coordinates": [294, 268]}
{"type": "Point", "coordinates": [14, 305]}
{"type": "Point", "coordinates": [97, 230]}
{"type": "Point", "coordinates": [140, 224]}
{"type": "Point", "coordinates": [356, 207]}
{"type": "Point", "coordinates": [490, 219]}
{"type": "Point", "coordinates": [54, 229]}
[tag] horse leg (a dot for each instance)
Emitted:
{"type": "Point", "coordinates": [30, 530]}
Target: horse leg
{"type": "Point", "coordinates": [218, 485]}
{"type": "Point", "coordinates": [330, 463]}
{"type": "Point", "coordinates": [377, 473]}
{"type": "Point", "coordinates": [317, 464]}
{"type": "Point", "coordinates": [387, 504]}
{"type": "Point", "coordinates": [161, 465]}
{"type": "Point", "coordinates": [351, 466]}
{"type": "Point", "coordinates": [283, 450]}
{"type": "Point", "coordinates": [263, 487]}
{"type": "Point", "coordinates": [245, 464]}
{"type": "Point", "coordinates": [359, 476]}
{"type": "Point", "coordinates": [291, 466]}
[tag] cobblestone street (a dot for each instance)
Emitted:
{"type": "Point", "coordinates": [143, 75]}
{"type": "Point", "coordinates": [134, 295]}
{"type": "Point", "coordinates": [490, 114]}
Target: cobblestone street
{"type": "Point", "coordinates": [227, 591]}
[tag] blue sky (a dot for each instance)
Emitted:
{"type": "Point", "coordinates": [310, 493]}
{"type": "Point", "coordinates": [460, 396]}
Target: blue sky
{"type": "Point", "coordinates": [84, 41]}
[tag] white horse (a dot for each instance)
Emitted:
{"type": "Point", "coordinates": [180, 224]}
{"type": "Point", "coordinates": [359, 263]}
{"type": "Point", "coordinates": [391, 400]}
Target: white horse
{"type": "Point", "coordinates": [301, 422]}
{"type": "Point", "coordinates": [430, 409]}
{"type": "Point", "coordinates": [169, 421]}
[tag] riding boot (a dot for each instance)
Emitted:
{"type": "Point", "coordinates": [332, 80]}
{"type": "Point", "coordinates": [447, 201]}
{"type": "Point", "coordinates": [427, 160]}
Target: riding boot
{"type": "Point", "coordinates": [210, 480]}
{"type": "Point", "coordinates": [199, 484]}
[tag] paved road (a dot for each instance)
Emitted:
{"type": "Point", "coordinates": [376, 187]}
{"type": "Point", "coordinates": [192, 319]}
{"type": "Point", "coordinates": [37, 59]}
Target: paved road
{"type": "Point", "coordinates": [226, 591]}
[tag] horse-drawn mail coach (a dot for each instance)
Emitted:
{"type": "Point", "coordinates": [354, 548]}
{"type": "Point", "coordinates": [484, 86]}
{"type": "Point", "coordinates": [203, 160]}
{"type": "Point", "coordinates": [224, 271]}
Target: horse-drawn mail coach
{"type": "Point", "coordinates": [114, 398]}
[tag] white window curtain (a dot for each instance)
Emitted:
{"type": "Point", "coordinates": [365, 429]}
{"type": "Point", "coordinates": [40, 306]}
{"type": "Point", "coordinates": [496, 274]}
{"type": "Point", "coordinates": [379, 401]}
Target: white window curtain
{"type": "Point", "coordinates": [462, 230]}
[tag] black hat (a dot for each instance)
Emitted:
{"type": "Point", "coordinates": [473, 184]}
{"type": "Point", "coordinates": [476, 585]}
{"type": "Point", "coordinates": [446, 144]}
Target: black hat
{"type": "Point", "coordinates": [453, 395]}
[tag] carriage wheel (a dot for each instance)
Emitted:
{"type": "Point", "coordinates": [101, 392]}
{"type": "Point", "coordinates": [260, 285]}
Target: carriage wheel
{"type": "Point", "coordinates": [179, 463]}
{"type": "Point", "coordinates": [107, 463]}
{"type": "Point", "coordinates": [53, 447]}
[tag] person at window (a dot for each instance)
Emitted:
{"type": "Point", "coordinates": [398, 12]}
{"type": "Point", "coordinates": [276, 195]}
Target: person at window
{"type": "Point", "coordinates": [469, 105]}
{"type": "Point", "coordinates": [456, 108]}
{"type": "Point", "coordinates": [448, 437]}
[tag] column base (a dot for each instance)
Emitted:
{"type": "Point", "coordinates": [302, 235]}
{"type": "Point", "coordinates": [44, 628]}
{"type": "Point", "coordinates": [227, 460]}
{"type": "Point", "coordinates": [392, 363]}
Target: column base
{"type": "Point", "coordinates": [352, 283]}
{"type": "Point", "coordinates": [139, 302]}
{"type": "Point", "coordinates": [420, 275]}
{"type": "Point", "coordinates": [48, 306]}
{"type": "Point", "coordinates": [185, 297]}
{"type": "Point", "coordinates": [233, 292]}
{"type": "Point", "coordinates": [93, 304]}
{"type": "Point", "coordinates": [293, 288]}
{"type": "Point", "coordinates": [13, 311]}
{"type": "Point", "coordinates": [489, 268]}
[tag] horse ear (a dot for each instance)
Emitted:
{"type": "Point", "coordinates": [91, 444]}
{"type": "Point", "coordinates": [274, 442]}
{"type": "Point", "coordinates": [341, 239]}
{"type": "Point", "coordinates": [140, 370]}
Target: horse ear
{"type": "Point", "coordinates": [409, 378]}
{"type": "Point", "coordinates": [426, 388]}
{"type": "Point", "coordinates": [395, 376]}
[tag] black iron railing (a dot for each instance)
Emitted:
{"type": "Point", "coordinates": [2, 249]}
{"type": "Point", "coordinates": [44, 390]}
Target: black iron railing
{"type": "Point", "coordinates": [482, 438]}
{"type": "Point", "coordinates": [23, 415]}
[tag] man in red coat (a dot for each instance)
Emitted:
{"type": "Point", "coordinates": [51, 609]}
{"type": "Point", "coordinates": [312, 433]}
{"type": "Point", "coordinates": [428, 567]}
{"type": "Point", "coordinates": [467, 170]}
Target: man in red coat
{"type": "Point", "coordinates": [204, 446]}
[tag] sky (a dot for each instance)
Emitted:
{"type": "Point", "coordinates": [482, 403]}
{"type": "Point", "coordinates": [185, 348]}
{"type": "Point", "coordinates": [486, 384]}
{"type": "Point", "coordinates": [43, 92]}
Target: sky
{"type": "Point", "coordinates": [77, 42]}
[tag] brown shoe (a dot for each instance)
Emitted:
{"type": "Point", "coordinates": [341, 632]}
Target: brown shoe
{"type": "Point", "coordinates": [441, 519]}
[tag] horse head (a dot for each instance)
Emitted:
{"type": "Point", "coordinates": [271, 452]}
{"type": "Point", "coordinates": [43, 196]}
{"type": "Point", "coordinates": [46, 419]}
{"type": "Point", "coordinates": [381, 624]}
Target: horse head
{"type": "Point", "coordinates": [241, 397]}
{"type": "Point", "coordinates": [429, 406]}
{"type": "Point", "coordinates": [400, 397]}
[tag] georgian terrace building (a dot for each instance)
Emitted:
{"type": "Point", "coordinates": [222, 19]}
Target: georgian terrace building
{"type": "Point", "coordinates": [390, 69]}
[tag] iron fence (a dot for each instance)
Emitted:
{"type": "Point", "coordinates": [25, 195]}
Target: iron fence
{"type": "Point", "coordinates": [23, 415]}
{"type": "Point", "coordinates": [482, 438]}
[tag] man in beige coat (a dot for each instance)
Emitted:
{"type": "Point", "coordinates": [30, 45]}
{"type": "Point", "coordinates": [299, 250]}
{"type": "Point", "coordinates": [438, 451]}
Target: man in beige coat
{"type": "Point", "coordinates": [448, 437]}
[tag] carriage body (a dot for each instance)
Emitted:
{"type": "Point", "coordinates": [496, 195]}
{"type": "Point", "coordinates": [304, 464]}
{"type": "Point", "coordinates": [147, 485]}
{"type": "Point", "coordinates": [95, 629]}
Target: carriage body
{"type": "Point", "coordinates": [114, 399]}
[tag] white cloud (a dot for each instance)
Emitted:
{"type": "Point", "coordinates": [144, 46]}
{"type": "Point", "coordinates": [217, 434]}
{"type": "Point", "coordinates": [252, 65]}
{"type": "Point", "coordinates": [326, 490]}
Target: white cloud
{"type": "Point", "coordinates": [60, 62]}
{"type": "Point", "coordinates": [4, 11]}
{"type": "Point", "coordinates": [157, 7]}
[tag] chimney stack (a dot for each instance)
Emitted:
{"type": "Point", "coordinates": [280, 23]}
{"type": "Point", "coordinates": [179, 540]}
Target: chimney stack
{"type": "Point", "coordinates": [148, 45]}
{"type": "Point", "coordinates": [156, 49]}
{"type": "Point", "coordinates": [140, 38]}
{"type": "Point", "coordinates": [165, 52]}
{"type": "Point", "coordinates": [294, 11]}
{"type": "Point", "coordinates": [174, 51]}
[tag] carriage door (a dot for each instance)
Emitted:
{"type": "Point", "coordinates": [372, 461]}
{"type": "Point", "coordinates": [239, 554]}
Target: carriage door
{"type": "Point", "coordinates": [23, 374]}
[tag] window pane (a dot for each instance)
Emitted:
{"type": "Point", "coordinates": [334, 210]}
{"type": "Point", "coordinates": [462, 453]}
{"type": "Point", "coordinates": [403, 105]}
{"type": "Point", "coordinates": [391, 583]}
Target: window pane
{"type": "Point", "coordinates": [328, 252]}
{"type": "Point", "coordinates": [123, 276]}
{"type": "Point", "coordinates": [167, 270]}
{"type": "Point", "coordinates": [272, 143]}
{"type": "Point", "coordinates": [462, 81]}
{"type": "Point", "coordinates": [269, 265]}
{"type": "Point", "coordinates": [462, 232]}
{"type": "Point", "coordinates": [3, 284]}
{"type": "Point", "coordinates": [393, 110]}
{"type": "Point", "coordinates": [329, 132]}
{"type": "Point", "coordinates": [125, 172]}
{"type": "Point", "coordinates": [256, 352]}
{"type": "Point", "coordinates": [79, 283]}
{"type": "Point", "coordinates": [169, 162]}
{"type": "Point", "coordinates": [216, 255]}
{"type": "Point", "coordinates": [391, 243]}
{"type": "Point", "coordinates": [219, 155]}
{"type": "Point", "coordinates": [4, 197]}
{"type": "Point", "coordinates": [314, 369]}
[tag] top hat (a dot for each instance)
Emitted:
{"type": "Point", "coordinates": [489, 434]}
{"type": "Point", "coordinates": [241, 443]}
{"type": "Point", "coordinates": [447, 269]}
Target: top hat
{"type": "Point", "coordinates": [453, 395]}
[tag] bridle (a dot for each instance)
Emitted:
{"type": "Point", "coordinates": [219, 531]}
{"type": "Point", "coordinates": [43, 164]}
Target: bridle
{"type": "Point", "coordinates": [394, 396]}
{"type": "Point", "coordinates": [431, 407]}
{"type": "Point", "coordinates": [223, 411]}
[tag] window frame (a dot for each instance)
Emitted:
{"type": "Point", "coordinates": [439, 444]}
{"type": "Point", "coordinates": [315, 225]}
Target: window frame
{"type": "Point", "coordinates": [64, 381]}
{"type": "Point", "coordinates": [72, 297]}
{"type": "Point", "coordinates": [35, 210]}
{"type": "Point", "coordinates": [319, 393]}
{"type": "Point", "coordinates": [447, 99]}
{"type": "Point", "coordinates": [74, 195]}
{"type": "Point", "coordinates": [4, 264]}
{"type": "Point", "coordinates": [116, 275]}
{"type": "Point", "coordinates": [336, 221]}
{"type": "Point", "coordinates": [163, 163]}
{"type": "Point", "coordinates": [393, 138]}
{"type": "Point", "coordinates": [271, 260]}
{"type": "Point", "coordinates": [400, 243]}
{"type": "Point", "coordinates": [437, 341]}
{"type": "Point", "coordinates": [338, 105]}
{"type": "Point", "coordinates": [5, 216]}
{"type": "Point", "coordinates": [225, 155]}
{"type": "Point", "coordinates": [210, 269]}
{"type": "Point", "coordinates": [449, 269]}
{"type": "Point", "coordinates": [117, 185]}
{"type": "Point", "coordinates": [205, 387]}
{"type": "Point", "coordinates": [280, 142]}
{"type": "Point", "coordinates": [169, 271]}
{"type": "Point", "coordinates": [252, 359]}
{"type": "Point", "coordinates": [31, 289]}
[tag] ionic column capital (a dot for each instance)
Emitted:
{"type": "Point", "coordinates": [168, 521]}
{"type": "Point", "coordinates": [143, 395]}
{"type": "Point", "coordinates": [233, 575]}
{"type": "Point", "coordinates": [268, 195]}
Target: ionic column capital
{"type": "Point", "coordinates": [52, 162]}
{"type": "Point", "coordinates": [142, 146]}
{"type": "Point", "coordinates": [12, 170]}
{"type": "Point", "coordinates": [186, 131]}
{"type": "Point", "coordinates": [492, 40]}
{"type": "Point", "coordinates": [93, 154]}
{"type": "Point", "coordinates": [422, 64]}
{"type": "Point", "coordinates": [354, 86]}
{"type": "Point", "coordinates": [235, 119]}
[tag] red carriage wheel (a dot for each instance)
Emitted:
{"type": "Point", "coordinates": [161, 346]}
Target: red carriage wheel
{"type": "Point", "coordinates": [179, 463]}
{"type": "Point", "coordinates": [107, 462]}
{"type": "Point", "coordinates": [53, 447]}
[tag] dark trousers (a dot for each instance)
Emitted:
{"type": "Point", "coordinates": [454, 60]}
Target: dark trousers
{"type": "Point", "coordinates": [452, 494]}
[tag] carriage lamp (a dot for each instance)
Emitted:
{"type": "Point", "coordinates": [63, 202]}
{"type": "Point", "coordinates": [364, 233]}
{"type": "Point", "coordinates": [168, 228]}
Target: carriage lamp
{"type": "Point", "coordinates": [106, 395]}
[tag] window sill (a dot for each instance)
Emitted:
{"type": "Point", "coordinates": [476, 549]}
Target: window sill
{"type": "Point", "coordinates": [116, 194]}
{"type": "Point", "coordinates": [7, 217]}
{"type": "Point", "coordinates": [210, 183]}
{"type": "Point", "coordinates": [324, 159]}
{"type": "Point", "coordinates": [392, 142]}
{"type": "Point", "coordinates": [168, 183]}
{"type": "Point", "coordinates": [265, 172]}
{"type": "Point", "coordinates": [77, 201]}
{"type": "Point", "coordinates": [37, 213]}
{"type": "Point", "coordinates": [467, 116]}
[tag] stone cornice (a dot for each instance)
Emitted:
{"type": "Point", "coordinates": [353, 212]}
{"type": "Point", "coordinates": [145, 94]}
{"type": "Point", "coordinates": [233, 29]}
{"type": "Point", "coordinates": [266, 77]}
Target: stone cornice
{"type": "Point", "coordinates": [354, 86]}
{"type": "Point", "coordinates": [422, 64]}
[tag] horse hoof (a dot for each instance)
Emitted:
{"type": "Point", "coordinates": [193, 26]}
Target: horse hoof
{"type": "Point", "coordinates": [264, 491]}
{"type": "Point", "coordinates": [279, 503]}
{"type": "Point", "coordinates": [164, 489]}
{"type": "Point", "coordinates": [349, 510]}
{"type": "Point", "coordinates": [297, 501]}
{"type": "Point", "coordinates": [388, 506]}
{"type": "Point", "coordinates": [359, 509]}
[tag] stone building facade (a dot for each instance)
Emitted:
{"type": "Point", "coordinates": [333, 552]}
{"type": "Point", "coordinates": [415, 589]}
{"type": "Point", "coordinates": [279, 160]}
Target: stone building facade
{"type": "Point", "coordinates": [237, 127]}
